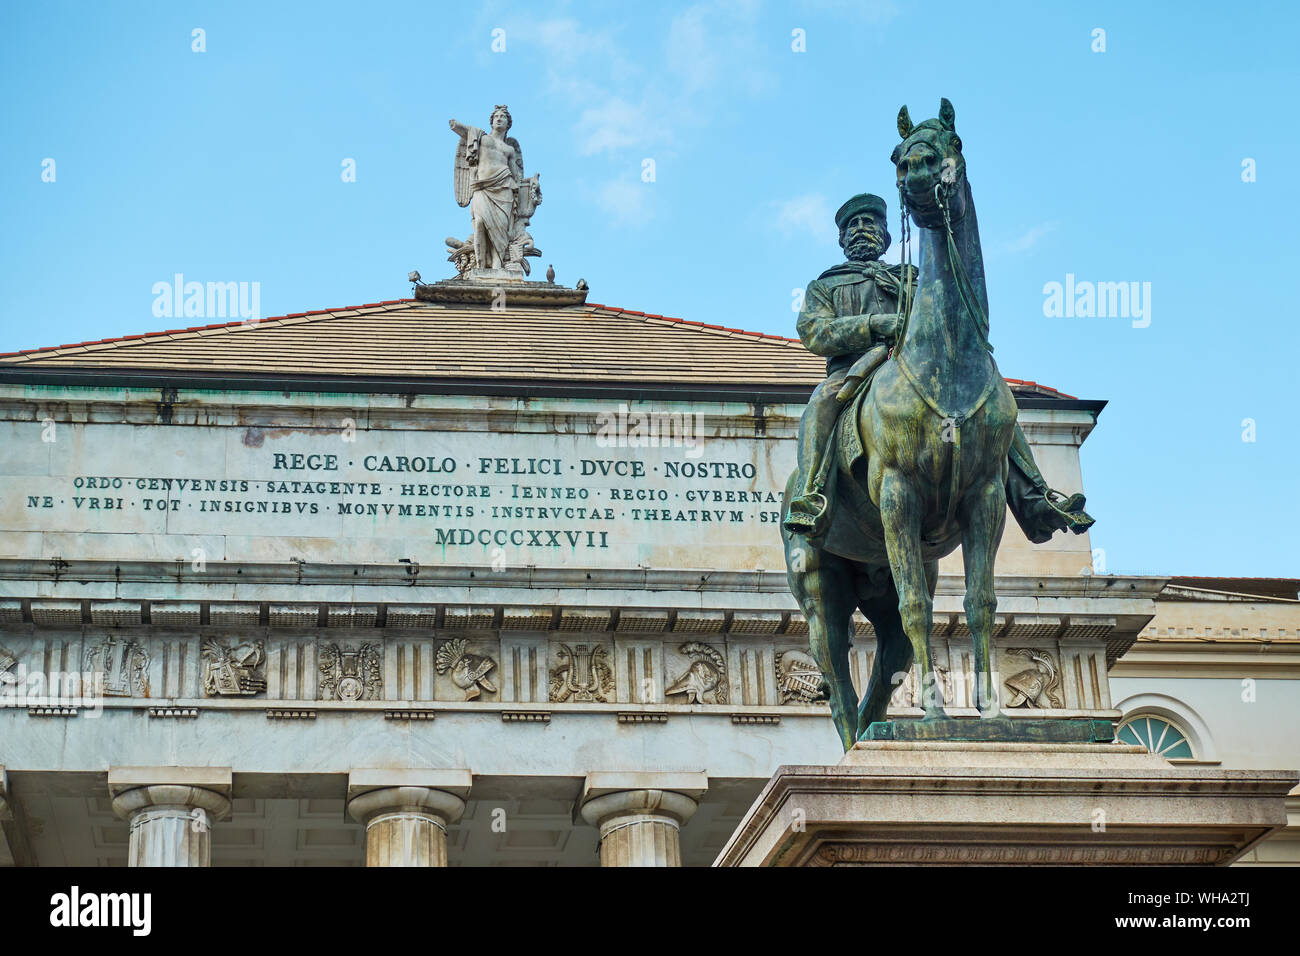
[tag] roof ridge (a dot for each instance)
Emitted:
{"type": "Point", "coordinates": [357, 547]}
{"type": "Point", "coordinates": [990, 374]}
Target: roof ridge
{"type": "Point", "coordinates": [704, 325]}
{"type": "Point", "coordinates": [203, 328]}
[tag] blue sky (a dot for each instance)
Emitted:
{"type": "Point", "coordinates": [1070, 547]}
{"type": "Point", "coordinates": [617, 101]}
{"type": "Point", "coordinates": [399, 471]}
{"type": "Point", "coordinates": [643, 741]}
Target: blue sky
{"type": "Point", "coordinates": [1123, 165]}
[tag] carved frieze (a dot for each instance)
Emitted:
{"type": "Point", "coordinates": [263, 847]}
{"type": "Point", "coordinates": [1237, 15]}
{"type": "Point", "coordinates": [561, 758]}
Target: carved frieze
{"type": "Point", "coordinates": [468, 671]}
{"type": "Point", "coordinates": [124, 665]}
{"type": "Point", "coordinates": [798, 678]}
{"type": "Point", "coordinates": [705, 680]}
{"type": "Point", "coordinates": [237, 670]}
{"type": "Point", "coordinates": [906, 694]}
{"type": "Point", "coordinates": [349, 672]}
{"type": "Point", "coordinates": [1036, 686]}
{"type": "Point", "coordinates": [582, 673]}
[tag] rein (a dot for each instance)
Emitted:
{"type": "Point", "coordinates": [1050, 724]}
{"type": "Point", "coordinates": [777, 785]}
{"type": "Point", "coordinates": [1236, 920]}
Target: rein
{"type": "Point", "coordinates": [965, 288]}
{"type": "Point", "coordinates": [966, 292]}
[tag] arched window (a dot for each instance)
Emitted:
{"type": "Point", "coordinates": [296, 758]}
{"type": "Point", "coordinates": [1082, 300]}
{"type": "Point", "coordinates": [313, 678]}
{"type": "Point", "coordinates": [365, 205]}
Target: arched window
{"type": "Point", "coordinates": [1160, 735]}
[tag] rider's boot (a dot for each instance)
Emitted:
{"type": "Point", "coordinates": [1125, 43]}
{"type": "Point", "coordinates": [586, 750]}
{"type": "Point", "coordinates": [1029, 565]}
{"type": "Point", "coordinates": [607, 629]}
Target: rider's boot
{"type": "Point", "coordinates": [1039, 510]}
{"type": "Point", "coordinates": [809, 515]}
{"type": "Point", "coordinates": [809, 511]}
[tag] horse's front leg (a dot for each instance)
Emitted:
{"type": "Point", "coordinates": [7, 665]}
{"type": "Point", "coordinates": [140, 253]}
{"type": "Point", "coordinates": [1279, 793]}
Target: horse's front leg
{"type": "Point", "coordinates": [985, 514]}
{"type": "Point", "coordinates": [900, 513]}
{"type": "Point", "coordinates": [822, 583]}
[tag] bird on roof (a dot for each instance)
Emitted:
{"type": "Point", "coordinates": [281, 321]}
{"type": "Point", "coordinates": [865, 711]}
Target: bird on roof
{"type": "Point", "coordinates": [550, 274]}
{"type": "Point", "coordinates": [582, 285]}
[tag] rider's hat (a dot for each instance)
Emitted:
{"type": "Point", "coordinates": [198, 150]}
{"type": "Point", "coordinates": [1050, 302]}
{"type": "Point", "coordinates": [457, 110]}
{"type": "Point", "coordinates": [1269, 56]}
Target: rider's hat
{"type": "Point", "coordinates": [862, 202]}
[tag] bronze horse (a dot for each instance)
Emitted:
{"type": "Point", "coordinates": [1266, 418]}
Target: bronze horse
{"type": "Point", "coordinates": [934, 430]}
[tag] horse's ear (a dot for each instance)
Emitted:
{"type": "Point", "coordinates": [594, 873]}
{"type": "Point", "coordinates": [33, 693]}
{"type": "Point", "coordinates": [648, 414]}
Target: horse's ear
{"type": "Point", "coordinates": [947, 115]}
{"type": "Point", "coordinates": [904, 123]}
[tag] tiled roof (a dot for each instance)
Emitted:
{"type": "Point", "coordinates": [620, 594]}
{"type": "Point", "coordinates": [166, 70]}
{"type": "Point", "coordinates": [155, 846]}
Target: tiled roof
{"type": "Point", "coordinates": [408, 339]}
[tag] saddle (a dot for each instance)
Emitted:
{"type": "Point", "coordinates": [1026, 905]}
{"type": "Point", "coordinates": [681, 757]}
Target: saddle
{"type": "Point", "coordinates": [809, 513]}
{"type": "Point", "coordinates": [847, 441]}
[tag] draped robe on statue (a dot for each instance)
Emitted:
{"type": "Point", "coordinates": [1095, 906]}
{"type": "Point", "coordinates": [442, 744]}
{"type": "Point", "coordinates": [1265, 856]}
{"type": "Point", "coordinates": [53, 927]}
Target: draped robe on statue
{"type": "Point", "coordinates": [492, 201]}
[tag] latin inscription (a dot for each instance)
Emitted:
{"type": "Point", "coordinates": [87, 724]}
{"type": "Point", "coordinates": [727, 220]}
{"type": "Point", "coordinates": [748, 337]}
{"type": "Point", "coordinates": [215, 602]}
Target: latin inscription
{"type": "Point", "coordinates": [463, 499]}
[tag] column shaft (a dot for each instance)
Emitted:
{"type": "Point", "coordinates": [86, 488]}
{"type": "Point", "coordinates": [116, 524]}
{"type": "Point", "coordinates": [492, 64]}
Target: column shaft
{"type": "Point", "coordinates": [171, 824]}
{"type": "Point", "coordinates": [170, 836]}
{"type": "Point", "coordinates": [647, 840]}
{"type": "Point", "coordinates": [405, 839]}
{"type": "Point", "coordinates": [640, 827]}
{"type": "Point", "coordinates": [407, 825]}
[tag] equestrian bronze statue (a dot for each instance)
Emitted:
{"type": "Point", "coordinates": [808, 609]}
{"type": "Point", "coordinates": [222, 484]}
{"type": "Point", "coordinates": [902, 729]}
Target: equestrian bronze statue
{"type": "Point", "coordinates": [910, 447]}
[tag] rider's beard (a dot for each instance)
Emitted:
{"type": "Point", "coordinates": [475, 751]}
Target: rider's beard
{"type": "Point", "coordinates": [864, 247]}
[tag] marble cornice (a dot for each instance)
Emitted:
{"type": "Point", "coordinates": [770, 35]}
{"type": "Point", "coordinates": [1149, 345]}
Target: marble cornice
{"type": "Point", "coordinates": [411, 574]}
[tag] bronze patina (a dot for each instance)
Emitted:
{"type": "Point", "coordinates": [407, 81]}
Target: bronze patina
{"type": "Point", "coordinates": [910, 447]}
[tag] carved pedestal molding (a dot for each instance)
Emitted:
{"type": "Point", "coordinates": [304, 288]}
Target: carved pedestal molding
{"type": "Point", "coordinates": [406, 813]}
{"type": "Point", "coordinates": [920, 803]}
{"type": "Point", "coordinates": [640, 815]}
{"type": "Point", "coordinates": [171, 811]}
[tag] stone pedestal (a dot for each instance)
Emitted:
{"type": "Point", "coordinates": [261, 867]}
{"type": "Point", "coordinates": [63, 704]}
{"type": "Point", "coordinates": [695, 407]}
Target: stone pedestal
{"type": "Point", "coordinates": [640, 815]}
{"type": "Point", "coordinates": [171, 811]}
{"type": "Point", "coordinates": [943, 803]}
{"type": "Point", "coordinates": [406, 813]}
{"type": "Point", "coordinates": [485, 287]}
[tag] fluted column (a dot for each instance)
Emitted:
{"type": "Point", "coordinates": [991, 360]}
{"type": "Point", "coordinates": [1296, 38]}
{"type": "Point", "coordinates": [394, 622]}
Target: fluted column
{"type": "Point", "coordinates": [640, 815]}
{"type": "Point", "coordinates": [171, 812]}
{"type": "Point", "coordinates": [406, 813]}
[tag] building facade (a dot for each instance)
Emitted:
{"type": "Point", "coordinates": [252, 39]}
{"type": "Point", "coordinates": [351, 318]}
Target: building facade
{"type": "Point", "coordinates": [439, 582]}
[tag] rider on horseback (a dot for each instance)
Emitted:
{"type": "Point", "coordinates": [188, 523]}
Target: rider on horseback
{"type": "Point", "coordinates": [850, 316]}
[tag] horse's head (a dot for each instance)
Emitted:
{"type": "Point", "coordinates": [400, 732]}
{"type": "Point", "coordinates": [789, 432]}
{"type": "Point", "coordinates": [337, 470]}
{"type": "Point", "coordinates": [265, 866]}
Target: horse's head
{"type": "Point", "coordinates": [930, 165]}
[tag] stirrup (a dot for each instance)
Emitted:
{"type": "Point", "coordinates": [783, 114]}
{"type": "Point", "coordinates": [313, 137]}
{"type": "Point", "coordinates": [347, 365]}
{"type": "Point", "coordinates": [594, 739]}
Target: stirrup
{"type": "Point", "coordinates": [807, 515]}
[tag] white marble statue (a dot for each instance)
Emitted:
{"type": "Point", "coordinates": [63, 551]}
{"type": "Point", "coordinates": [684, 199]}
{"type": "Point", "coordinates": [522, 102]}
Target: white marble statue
{"type": "Point", "coordinates": [489, 178]}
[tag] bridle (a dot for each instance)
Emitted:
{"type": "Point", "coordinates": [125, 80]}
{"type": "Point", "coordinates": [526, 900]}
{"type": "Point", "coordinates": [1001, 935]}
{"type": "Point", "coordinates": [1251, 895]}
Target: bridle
{"type": "Point", "coordinates": [965, 290]}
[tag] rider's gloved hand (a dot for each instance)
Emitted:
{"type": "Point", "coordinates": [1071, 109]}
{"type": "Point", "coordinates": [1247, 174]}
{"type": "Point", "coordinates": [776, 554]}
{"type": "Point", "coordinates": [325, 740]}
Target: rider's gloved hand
{"type": "Point", "coordinates": [885, 325]}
